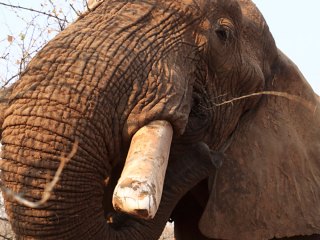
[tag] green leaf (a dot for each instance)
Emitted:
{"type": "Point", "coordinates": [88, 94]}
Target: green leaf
{"type": "Point", "coordinates": [22, 36]}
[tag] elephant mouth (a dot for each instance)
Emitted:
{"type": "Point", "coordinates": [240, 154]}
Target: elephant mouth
{"type": "Point", "coordinates": [139, 188]}
{"type": "Point", "coordinates": [198, 121]}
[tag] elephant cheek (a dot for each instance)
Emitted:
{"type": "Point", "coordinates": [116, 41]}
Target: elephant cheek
{"type": "Point", "coordinates": [220, 202]}
{"type": "Point", "coordinates": [207, 219]}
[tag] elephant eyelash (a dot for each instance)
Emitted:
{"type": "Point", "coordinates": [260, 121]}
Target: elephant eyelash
{"type": "Point", "coordinates": [223, 33]}
{"type": "Point", "coordinates": [225, 29]}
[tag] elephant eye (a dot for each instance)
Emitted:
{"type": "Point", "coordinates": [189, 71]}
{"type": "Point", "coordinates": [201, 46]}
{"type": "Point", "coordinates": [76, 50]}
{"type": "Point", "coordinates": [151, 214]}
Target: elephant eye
{"type": "Point", "coordinates": [223, 34]}
{"type": "Point", "coordinates": [224, 28]}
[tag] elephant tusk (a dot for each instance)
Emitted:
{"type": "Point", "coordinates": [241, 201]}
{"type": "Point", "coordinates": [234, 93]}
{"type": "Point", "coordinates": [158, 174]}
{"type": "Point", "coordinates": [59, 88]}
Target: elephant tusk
{"type": "Point", "coordinates": [140, 186]}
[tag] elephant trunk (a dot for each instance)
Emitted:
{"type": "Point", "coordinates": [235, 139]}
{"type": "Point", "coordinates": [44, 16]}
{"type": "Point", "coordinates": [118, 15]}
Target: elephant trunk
{"type": "Point", "coordinates": [97, 97]}
{"type": "Point", "coordinates": [33, 146]}
{"type": "Point", "coordinates": [36, 135]}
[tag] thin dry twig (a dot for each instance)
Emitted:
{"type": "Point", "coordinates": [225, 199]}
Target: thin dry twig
{"type": "Point", "coordinates": [295, 98]}
{"type": "Point", "coordinates": [33, 10]}
{"type": "Point", "coordinates": [61, 24]}
{"type": "Point", "coordinates": [4, 56]}
{"type": "Point", "coordinates": [49, 187]}
{"type": "Point", "coordinates": [87, 6]}
{"type": "Point", "coordinates": [75, 11]}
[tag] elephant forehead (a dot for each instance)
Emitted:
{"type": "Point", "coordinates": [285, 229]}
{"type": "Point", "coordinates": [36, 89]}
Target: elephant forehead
{"type": "Point", "coordinates": [250, 11]}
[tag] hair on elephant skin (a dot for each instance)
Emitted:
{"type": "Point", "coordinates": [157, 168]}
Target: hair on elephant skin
{"type": "Point", "coordinates": [244, 161]}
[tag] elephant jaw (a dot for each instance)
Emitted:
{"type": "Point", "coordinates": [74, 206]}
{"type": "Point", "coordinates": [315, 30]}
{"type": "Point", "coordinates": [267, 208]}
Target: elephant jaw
{"type": "Point", "coordinates": [140, 186]}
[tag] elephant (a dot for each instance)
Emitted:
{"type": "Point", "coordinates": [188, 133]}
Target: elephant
{"type": "Point", "coordinates": [244, 161]}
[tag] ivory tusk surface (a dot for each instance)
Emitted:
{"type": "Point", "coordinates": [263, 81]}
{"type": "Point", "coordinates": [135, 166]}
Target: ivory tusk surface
{"type": "Point", "coordinates": [140, 186]}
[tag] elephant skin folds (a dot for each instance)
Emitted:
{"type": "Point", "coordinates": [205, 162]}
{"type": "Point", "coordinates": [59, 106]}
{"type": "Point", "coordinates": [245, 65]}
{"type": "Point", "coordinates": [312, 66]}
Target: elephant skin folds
{"type": "Point", "coordinates": [205, 67]}
{"type": "Point", "coordinates": [269, 188]}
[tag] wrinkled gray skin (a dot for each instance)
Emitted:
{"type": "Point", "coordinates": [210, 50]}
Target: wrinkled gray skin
{"type": "Point", "coordinates": [117, 68]}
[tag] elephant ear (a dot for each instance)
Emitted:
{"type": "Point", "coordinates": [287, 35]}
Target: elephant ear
{"type": "Point", "coordinates": [270, 185]}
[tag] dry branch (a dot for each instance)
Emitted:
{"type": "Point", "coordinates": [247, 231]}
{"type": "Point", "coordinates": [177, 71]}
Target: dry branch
{"type": "Point", "coordinates": [34, 10]}
{"type": "Point", "coordinates": [309, 105]}
{"type": "Point", "coordinates": [49, 187]}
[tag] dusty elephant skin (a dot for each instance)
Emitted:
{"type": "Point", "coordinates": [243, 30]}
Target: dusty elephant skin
{"type": "Point", "coordinates": [125, 64]}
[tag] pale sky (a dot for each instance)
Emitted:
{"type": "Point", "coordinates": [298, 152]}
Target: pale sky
{"type": "Point", "coordinates": [294, 24]}
{"type": "Point", "coordinates": [295, 27]}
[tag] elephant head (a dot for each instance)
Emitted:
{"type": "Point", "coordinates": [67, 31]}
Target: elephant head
{"type": "Point", "coordinates": [209, 68]}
